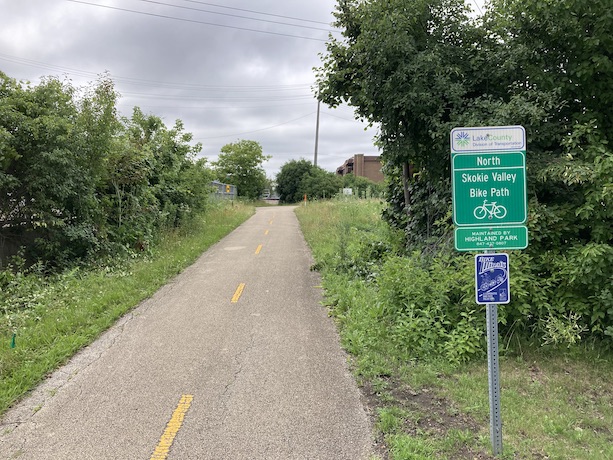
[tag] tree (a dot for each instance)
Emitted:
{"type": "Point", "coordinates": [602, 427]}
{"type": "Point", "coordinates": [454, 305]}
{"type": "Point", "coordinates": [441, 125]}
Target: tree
{"type": "Point", "coordinates": [362, 185]}
{"type": "Point", "coordinates": [290, 178]}
{"type": "Point", "coordinates": [299, 177]}
{"type": "Point", "coordinates": [77, 182]}
{"type": "Point", "coordinates": [53, 160]}
{"type": "Point", "coordinates": [408, 66]}
{"type": "Point", "coordinates": [319, 183]}
{"type": "Point", "coordinates": [563, 46]}
{"type": "Point", "coordinates": [153, 179]}
{"type": "Point", "coordinates": [240, 164]}
{"type": "Point", "coordinates": [419, 68]}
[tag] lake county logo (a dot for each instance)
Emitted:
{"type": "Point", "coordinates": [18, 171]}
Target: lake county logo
{"type": "Point", "coordinates": [462, 139]}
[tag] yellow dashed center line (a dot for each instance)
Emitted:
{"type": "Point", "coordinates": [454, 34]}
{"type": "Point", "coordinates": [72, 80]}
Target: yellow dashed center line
{"type": "Point", "coordinates": [238, 293]}
{"type": "Point", "coordinates": [259, 248]}
{"type": "Point", "coordinates": [163, 447]}
{"type": "Point", "coordinates": [270, 223]}
{"type": "Point", "coordinates": [266, 232]}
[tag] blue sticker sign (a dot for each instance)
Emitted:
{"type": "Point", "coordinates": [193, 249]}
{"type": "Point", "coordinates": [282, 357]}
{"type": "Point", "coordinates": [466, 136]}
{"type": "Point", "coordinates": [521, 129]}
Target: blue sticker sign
{"type": "Point", "coordinates": [492, 278]}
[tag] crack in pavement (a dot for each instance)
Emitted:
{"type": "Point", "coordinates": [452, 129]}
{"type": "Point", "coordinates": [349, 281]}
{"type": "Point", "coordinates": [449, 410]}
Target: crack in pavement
{"type": "Point", "coordinates": [239, 364]}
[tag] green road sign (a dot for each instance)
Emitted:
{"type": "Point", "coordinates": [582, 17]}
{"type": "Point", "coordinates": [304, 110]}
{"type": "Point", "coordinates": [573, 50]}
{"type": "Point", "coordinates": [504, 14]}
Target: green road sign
{"type": "Point", "coordinates": [489, 188]}
{"type": "Point", "coordinates": [486, 238]}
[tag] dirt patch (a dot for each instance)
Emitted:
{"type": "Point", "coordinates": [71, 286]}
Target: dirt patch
{"type": "Point", "coordinates": [431, 415]}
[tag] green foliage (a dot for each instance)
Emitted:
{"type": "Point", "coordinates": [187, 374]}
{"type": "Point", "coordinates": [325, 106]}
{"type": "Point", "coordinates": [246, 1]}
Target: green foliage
{"type": "Point", "coordinates": [409, 323]}
{"type": "Point", "coordinates": [404, 447]}
{"type": "Point", "coordinates": [240, 164]}
{"type": "Point", "coordinates": [421, 68]}
{"type": "Point", "coordinates": [77, 182]}
{"type": "Point", "coordinates": [299, 177]}
{"type": "Point", "coordinates": [362, 186]}
{"type": "Point", "coordinates": [405, 65]}
{"type": "Point", "coordinates": [419, 305]}
{"type": "Point", "coordinates": [429, 306]}
{"type": "Point", "coordinates": [560, 46]}
{"type": "Point", "coordinates": [289, 180]}
{"type": "Point", "coordinates": [319, 183]}
{"type": "Point", "coordinates": [47, 184]}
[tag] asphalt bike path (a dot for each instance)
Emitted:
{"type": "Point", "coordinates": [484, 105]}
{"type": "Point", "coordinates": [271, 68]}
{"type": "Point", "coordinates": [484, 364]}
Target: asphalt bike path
{"type": "Point", "coordinates": [234, 359]}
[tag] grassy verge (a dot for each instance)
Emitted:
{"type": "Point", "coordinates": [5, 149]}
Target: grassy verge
{"type": "Point", "coordinates": [557, 403]}
{"type": "Point", "coordinates": [53, 319]}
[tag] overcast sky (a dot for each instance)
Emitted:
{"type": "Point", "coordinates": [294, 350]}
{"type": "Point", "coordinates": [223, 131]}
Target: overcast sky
{"type": "Point", "coordinates": [229, 69]}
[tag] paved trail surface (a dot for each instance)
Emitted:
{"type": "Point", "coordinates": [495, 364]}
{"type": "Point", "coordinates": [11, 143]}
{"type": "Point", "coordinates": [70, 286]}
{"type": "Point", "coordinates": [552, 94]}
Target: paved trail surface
{"type": "Point", "coordinates": [234, 359]}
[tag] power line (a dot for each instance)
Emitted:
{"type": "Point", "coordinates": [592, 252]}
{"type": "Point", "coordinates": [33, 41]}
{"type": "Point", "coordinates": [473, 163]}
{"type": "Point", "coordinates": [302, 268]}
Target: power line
{"type": "Point", "coordinates": [43, 65]}
{"type": "Point", "coordinates": [216, 88]}
{"type": "Point", "coordinates": [234, 15]}
{"type": "Point", "coordinates": [235, 106]}
{"type": "Point", "coordinates": [256, 12]}
{"type": "Point", "coordinates": [478, 7]}
{"type": "Point", "coordinates": [226, 98]}
{"type": "Point", "coordinates": [154, 83]}
{"type": "Point", "coordinates": [245, 97]}
{"type": "Point", "coordinates": [193, 21]}
{"type": "Point", "coordinates": [336, 116]}
{"type": "Point", "coordinates": [257, 130]}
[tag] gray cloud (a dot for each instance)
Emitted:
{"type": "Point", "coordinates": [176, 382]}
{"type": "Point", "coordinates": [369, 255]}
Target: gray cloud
{"type": "Point", "coordinates": [224, 83]}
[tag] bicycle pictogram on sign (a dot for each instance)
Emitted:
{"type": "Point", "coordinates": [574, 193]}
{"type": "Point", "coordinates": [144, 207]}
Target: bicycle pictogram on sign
{"type": "Point", "coordinates": [490, 210]}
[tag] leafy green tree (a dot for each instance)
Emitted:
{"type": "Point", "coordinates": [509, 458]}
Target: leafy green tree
{"type": "Point", "coordinates": [240, 164]}
{"type": "Point", "coordinates": [153, 179]}
{"type": "Point", "coordinates": [319, 183]}
{"type": "Point", "coordinates": [52, 164]}
{"type": "Point", "coordinates": [299, 177]}
{"type": "Point", "coordinates": [76, 181]}
{"type": "Point", "coordinates": [362, 185]}
{"type": "Point", "coordinates": [289, 180]}
{"type": "Point", "coordinates": [419, 68]}
{"type": "Point", "coordinates": [407, 66]}
{"type": "Point", "coordinates": [560, 46]}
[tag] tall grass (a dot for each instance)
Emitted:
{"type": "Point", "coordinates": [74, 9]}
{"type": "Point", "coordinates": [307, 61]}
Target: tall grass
{"type": "Point", "coordinates": [557, 401]}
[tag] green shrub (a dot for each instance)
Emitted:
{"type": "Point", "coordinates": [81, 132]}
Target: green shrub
{"type": "Point", "coordinates": [429, 306]}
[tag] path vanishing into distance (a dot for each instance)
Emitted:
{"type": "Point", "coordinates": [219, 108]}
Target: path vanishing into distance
{"type": "Point", "coordinates": [234, 359]}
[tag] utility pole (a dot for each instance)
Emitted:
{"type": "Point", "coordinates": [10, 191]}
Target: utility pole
{"type": "Point", "coordinates": [316, 134]}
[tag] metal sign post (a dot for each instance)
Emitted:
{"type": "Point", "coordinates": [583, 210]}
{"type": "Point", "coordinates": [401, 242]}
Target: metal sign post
{"type": "Point", "coordinates": [492, 285]}
{"type": "Point", "coordinates": [493, 377]}
{"type": "Point", "coordinates": [490, 210]}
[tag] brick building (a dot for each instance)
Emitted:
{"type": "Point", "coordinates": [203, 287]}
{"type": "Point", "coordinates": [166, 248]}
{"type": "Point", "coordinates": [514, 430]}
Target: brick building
{"type": "Point", "coordinates": [360, 165]}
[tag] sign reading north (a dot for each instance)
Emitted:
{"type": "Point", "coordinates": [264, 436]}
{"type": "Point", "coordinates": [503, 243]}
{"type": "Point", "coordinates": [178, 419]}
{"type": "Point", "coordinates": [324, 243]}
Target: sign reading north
{"type": "Point", "coordinates": [489, 188]}
{"type": "Point", "coordinates": [492, 278]}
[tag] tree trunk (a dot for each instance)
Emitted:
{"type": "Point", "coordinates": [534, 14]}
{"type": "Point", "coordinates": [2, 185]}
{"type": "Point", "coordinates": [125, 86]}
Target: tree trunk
{"type": "Point", "coordinates": [405, 183]}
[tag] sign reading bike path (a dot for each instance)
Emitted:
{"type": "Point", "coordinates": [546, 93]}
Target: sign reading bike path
{"type": "Point", "coordinates": [489, 187]}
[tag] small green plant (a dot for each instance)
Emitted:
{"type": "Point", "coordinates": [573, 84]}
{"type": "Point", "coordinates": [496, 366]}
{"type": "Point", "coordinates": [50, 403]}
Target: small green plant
{"type": "Point", "coordinates": [559, 330]}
